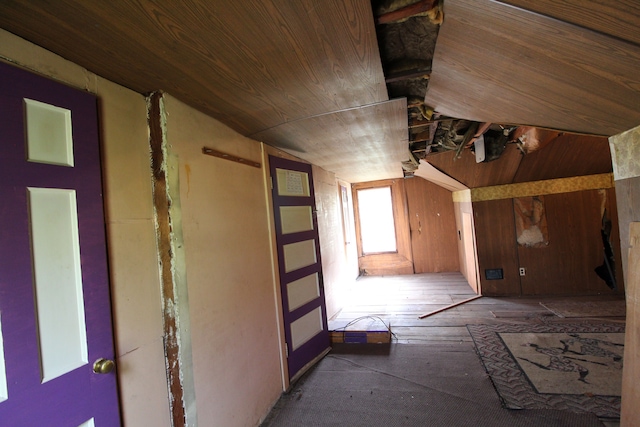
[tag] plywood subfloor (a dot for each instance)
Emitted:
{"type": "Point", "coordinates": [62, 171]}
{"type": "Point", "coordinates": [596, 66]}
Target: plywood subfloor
{"type": "Point", "coordinates": [399, 301]}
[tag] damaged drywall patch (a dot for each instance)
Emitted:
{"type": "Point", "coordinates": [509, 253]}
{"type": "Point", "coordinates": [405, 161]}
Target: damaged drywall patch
{"type": "Point", "coordinates": [174, 296]}
{"type": "Point", "coordinates": [531, 222]}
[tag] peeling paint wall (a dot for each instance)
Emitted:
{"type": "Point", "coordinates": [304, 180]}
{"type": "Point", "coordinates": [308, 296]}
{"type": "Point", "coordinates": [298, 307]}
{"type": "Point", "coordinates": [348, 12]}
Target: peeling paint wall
{"type": "Point", "coordinates": [234, 333]}
{"type": "Point", "coordinates": [173, 277]}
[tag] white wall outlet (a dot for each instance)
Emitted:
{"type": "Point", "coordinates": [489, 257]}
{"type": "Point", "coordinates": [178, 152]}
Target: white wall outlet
{"type": "Point", "coordinates": [523, 271]}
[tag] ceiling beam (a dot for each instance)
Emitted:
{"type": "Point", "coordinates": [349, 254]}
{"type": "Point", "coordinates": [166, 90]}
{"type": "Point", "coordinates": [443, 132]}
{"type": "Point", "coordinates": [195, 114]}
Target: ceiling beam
{"type": "Point", "coordinates": [408, 74]}
{"type": "Point", "coordinates": [406, 12]}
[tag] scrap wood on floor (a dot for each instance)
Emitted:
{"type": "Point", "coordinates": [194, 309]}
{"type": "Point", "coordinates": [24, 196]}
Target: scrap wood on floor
{"type": "Point", "coordinates": [455, 304]}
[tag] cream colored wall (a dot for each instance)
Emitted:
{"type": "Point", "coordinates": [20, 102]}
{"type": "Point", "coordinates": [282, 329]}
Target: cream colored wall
{"type": "Point", "coordinates": [235, 339]}
{"type": "Point", "coordinates": [130, 230]}
{"type": "Point", "coordinates": [339, 261]}
{"type": "Point", "coordinates": [466, 248]}
{"type": "Point", "coordinates": [234, 331]}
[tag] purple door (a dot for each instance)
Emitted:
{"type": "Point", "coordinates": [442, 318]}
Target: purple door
{"type": "Point", "coordinates": [303, 302]}
{"type": "Point", "coordinates": [55, 314]}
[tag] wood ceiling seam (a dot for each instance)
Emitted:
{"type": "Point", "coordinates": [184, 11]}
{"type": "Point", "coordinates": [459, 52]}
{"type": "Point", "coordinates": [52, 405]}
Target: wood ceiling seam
{"type": "Point", "coordinates": [595, 92]}
{"type": "Point", "coordinates": [358, 107]}
{"type": "Point", "coordinates": [604, 17]}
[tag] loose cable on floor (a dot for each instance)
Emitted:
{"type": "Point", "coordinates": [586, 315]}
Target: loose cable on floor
{"type": "Point", "coordinates": [354, 321]}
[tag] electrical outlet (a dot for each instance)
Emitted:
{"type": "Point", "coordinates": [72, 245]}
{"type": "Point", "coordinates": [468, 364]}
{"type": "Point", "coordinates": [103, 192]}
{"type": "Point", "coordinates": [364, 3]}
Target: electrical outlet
{"type": "Point", "coordinates": [523, 271]}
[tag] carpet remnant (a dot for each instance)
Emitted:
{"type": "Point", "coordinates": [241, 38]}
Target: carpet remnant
{"type": "Point", "coordinates": [567, 367]}
{"type": "Point", "coordinates": [519, 314]}
{"type": "Point", "coordinates": [587, 308]}
{"type": "Point", "coordinates": [371, 385]}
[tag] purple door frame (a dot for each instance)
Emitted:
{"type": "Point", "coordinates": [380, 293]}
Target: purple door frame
{"type": "Point", "coordinates": [307, 352]}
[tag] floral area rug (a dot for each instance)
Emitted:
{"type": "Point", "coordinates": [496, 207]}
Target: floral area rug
{"type": "Point", "coordinates": [568, 367]}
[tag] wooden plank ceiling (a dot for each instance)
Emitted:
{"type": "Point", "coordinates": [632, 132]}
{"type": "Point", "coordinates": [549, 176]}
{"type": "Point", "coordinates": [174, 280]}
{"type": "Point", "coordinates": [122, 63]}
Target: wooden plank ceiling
{"type": "Point", "coordinates": [308, 76]}
{"type": "Point", "coordinates": [302, 75]}
{"type": "Point", "coordinates": [569, 65]}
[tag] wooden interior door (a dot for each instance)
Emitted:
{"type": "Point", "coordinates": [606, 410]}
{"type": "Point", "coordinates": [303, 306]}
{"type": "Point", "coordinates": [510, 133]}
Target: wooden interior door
{"type": "Point", "coordinates": [55, 314]}
{"type": "Point", "coordinates": [434, 240]}
{"type": "Point", "coordinates": [303, 301]}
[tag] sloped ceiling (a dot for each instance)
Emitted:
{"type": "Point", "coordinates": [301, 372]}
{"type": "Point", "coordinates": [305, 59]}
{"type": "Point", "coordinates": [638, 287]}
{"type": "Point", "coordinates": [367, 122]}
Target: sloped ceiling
{"type": "Point", "coordinates": [571, 65]}
{"type": "Point", "coordinates": [308, 76]}
{"type": "Point", "coordinates": [566, 156]}
{"type": "Point", "coordinates": [301, 75]}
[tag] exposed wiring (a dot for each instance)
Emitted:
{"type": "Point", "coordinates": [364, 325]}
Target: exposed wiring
{"type": "Point", "coordinates": [354, 321]}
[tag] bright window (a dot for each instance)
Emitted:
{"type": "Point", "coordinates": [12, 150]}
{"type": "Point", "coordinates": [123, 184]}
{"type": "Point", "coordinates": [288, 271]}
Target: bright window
{"type": "Point", "coordinates": [377, 229]}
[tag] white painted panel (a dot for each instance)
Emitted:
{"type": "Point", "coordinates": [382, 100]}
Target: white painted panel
{"type": "Point", "coordinates": [292, 183]}
{"type": "Point", "coordinates": [89, 423]}
{"type": "Point", "coordinates": [299, 254]}
{"type": "Point", "coordinates": [3, 372]}
{"type": "Point", "coordinates": [302, 291]}
{"type": "Point", "coordinates": [295, 219]}
{"type": "Point", "coordinates": [306, 327]}
{"type": "Point", "coordinates": [49, 135]}
{"type": "Point", "coordinates": [58, 281]}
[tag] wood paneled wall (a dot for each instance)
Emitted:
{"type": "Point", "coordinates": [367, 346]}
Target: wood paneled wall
{"type": "Point", "coordinates": [425, 230]}
{"type": "Point", "coordinates": [433, 227]}
{"type": "Point", "coordinates": [496, 245]}
{"type": "Point", "coordinates": [628, 202]}
{"type": "Point", "coordinates": [566, 265]}
{"type": "Point", "coordinates": [630, 413]}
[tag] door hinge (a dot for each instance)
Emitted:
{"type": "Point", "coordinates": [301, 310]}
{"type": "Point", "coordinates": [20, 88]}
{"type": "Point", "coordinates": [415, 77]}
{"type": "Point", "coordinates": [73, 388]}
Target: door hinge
{"type": "Point", "coordinates": [271, 181]}
{"type": "Point", "coordinates": [286, 350]}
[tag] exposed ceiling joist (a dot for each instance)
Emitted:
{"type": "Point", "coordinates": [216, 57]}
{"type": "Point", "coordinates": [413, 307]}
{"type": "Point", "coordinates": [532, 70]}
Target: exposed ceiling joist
{"type": "Point", "coordinates": [406, 12]}
{"type": "Point", "coordinates": [409, 74]}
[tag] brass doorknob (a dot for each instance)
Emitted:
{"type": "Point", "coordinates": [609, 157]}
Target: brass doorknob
{"type": "Point", "coordinates": [103, 366]}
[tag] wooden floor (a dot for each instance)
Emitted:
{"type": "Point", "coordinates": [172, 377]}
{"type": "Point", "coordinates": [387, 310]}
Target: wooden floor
{"type": "Point", "coordinates": [398, 301]}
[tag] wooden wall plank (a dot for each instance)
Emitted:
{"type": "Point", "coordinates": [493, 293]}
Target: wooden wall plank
{"type": "Point", "coordinates": [566, 266]}
{"type": "Point", "coordinates": [432, 223]}
{"type": "Point", "coordinates": [628, 204]}
{"type": "Point", "coordinates": [619, 255]}
{"type": "Point", "coordinates": [472, 174]}
{"type": "Point", "coordinates": [617, 18]}
{"type": "Point", "coordinates": [569, 155]}
{"type": "Point", "coordinates": [630, 412]}
{"type": "Point", "coordinates": [496, 246]}
{"type": "Point", "coordinates": [515, 66]}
